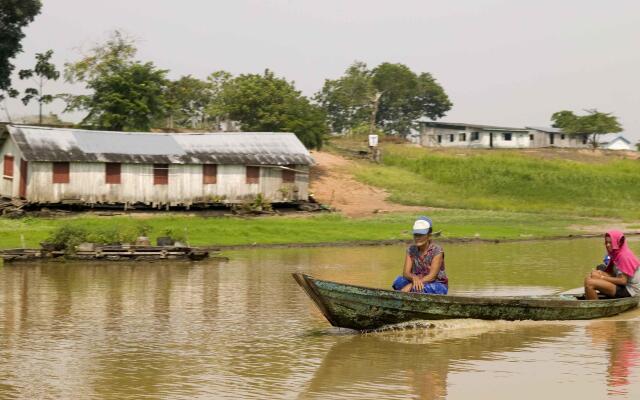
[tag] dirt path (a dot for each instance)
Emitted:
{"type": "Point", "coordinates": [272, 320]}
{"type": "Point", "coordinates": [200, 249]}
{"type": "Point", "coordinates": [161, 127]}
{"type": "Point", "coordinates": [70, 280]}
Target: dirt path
{"type": "Point", "coordinates": [332, 184]}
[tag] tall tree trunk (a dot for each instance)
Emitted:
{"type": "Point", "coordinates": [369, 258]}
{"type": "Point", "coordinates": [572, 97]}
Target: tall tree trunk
{"type": "Point", "coordinates": [374, 111]}
{"type": "Point", "coordinates": [40, 104]}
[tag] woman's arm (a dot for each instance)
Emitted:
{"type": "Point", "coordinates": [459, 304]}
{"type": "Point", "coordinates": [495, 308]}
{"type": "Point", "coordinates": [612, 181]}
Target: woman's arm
{"type": "Point", "coordinates": [407, 273]}
{"type": "Point", "coordinates": [618, 280]}
{"type": "Point", "coordinates": [436, 263]}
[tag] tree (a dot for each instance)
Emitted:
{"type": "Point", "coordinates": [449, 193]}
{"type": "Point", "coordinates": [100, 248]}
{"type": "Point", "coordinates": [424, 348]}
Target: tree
{"type": "Point", "coordinates": [188, 99]}
{"type": "Point", "coordinates": [349, 100]}
{"type": "Point", "coordinates": [593, 124]}
{"type": "Point", "coordinates": [391, 97]}
{"type": "Point", "coordinates": [14, 16]}
{"type": "Point", "coordinates": [268, 103]}
{"type": "Point", "coordinates": [43, 72]}
{"type": "Point", "coordinates": [125, 94]}
{"type": "Point", "coordinates": [216, 109]}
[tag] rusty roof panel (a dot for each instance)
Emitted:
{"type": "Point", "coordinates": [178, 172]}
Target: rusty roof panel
{"type": "Point", "coordinates": [249, 148]}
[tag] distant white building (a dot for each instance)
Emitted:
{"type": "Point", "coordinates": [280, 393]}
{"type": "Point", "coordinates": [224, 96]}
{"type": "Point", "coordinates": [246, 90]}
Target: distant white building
{"type": "Point", "coordinates": [448, 134]}
{"type": "Point", "coordinates": [612, 141]}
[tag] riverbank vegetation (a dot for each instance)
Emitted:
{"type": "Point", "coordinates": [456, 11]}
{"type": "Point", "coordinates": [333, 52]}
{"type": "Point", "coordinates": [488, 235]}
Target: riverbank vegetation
{"type": "Point", "coordinates": [512, 181]}
{"type": "Point", "coordinates": [233, 231]}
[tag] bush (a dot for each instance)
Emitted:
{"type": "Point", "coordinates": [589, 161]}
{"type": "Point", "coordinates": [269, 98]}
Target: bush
{"type": "Point", "coordinates": [177, 235]}
{"type": "Point", "coordinates": [67, 237]}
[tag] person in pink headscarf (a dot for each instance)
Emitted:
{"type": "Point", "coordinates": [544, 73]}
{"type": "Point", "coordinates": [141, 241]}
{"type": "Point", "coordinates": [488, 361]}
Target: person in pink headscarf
{"type": "Point", "coordinates": [621, 277]}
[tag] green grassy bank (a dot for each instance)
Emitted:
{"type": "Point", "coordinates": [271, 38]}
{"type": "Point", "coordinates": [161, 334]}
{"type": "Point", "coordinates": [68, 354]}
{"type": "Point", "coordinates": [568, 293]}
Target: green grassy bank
{"type": "Point", "coordinates": [507, 181]}
{"type": "Point", "coordinates": [226, 231]}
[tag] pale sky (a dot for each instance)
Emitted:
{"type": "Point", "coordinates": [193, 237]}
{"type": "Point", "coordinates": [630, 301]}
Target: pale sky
{"type": "Point", "coordinates": [502, 62]}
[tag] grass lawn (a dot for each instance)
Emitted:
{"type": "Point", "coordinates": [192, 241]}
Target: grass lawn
{"type": "Point", "coordinates": [215, 231]}
{"type": "Point", "coordinates": [507, 181]}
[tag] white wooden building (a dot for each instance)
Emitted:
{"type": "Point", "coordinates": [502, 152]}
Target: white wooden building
{"type": "Point", "coordinates": [447, 134]}
{"type": "Point", "coordinates": [55, 165]}
{"type": "Point", "coordinates": [612, 141]}
{"type": "Point", "coordinates": [554, 137]}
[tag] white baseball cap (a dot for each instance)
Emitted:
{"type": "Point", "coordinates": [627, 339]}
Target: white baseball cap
{"type": "Point", "coordinates": [422, 226]}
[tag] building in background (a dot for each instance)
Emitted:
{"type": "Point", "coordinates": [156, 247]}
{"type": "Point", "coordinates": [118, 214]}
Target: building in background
{"type": "Point", "coordinates": [456, 135]}
{"type": "Point", "coordinates": [447, 134]}
{"type": "Point", "coordinates": [614, 141]}
{"type": "Point", "coordinates": [56, 165]}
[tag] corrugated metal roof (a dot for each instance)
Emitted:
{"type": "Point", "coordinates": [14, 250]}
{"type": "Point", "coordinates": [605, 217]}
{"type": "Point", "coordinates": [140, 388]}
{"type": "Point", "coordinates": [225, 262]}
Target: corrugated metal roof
{"type": "Point", "coordinates": [249, 148]}
{"type": "Point", "coordinates": [462, 125]}
{"type": "Point", "coordinates": [545, 129]}
{"type": "Point", "coordinates": [611, 137]}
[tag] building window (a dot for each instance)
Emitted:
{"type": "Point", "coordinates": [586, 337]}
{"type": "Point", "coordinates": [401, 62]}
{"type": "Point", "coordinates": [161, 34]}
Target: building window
{"type": "Point", "coordinates": [160, 174]}
{"type": "Point", "coordinates": [253, 175]}
{"type": "Point", "coordinates": [60, 172]}
{"type": "Point", "coordinates": [551, 138]}
{"type": "Point", "coordinates": [562, 136]}
{"type": "Point", "coordinates": [506, 136]}
{"type": "Point", "coordinates": [288, 176]}
{"type": "Point", "coordinates": [462, 137]}
{"type": "Point", "coordinates": [451, 138]}
{"type": "Point", "coordinates": [439, 138]}
{"type": "Point", "coordinates": [112, 173]}
{"type": "Point", "coordinates": [209, 174]}
{"type": "Point", "coordinates": [8, 166]}
{"type": "Point", "coordinates": [531, 137]}
{"type": "Point", "coordinates": [475, 136]}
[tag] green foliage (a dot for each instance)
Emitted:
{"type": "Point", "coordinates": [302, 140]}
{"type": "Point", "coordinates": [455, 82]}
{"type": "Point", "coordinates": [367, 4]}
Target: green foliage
{"type": "Point", "coordinates": [257, 204]}
{"type": "Point", "coordinates": [143, 228]}
{"type": "Point", "coordinates": [188, 99]}
{"type": "Point", "coordinates": [14, 16]}
{"type": "Point", "coordinates": [271, 104]}
{"type": "Point", "coordinates": [593, 124]}
{"type": "Point", "coordinates": [126, 94]}
{"type": "Point", "coordinates": [348, 100]}
{"type": "Point", "coordinates": [67, 237]}
{"type": "Point", "coordinates": [216, 110]}
{"type": "Point", "coordinates": [391, 95]}
{"type": "Point", "coordinates": [364, 130]}
{"type": "Point", "coordinates": [178, 235]}
{"type": "Point", "coordinates": [43, 72]}
{"type": "Point", "coordinates": [316, 229]}
{"type": "Point", "coordinates": [508, 181]}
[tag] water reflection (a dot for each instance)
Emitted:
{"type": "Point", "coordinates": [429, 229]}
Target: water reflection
{"type": "Point", "coordinates": [244, 329]}
{"type": "Point", "coordinates": [621, 341]}
{"type": "Point", "coordinates": [415, 363]}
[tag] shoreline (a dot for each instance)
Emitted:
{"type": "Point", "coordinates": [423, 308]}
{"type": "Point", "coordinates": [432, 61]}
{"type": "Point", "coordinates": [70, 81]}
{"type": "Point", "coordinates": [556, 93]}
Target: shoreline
{"type": "Point", "coordinates": [392, 242]}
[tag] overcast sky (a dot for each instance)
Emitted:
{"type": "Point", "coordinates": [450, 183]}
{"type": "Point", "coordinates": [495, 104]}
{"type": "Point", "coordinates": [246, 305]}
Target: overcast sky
{"type": "Point", "coordinates": [502, 62]}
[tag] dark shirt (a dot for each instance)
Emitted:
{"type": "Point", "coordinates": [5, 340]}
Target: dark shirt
{"type": "Point", "coordinates": [421, 265]}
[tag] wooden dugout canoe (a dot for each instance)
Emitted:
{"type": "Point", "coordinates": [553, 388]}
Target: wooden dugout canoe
{"type": "Point", "coordinates": [363, 308]}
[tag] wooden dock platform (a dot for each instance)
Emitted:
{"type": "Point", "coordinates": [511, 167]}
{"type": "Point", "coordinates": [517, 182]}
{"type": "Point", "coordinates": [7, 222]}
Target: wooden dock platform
{"type": "Point", "coordinates": [109, 253]}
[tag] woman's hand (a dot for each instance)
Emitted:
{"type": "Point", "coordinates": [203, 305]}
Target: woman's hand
{"type": "Point", "coordinates": [418, 285]}
{"type": "Point", "coordinates": [595, 274]}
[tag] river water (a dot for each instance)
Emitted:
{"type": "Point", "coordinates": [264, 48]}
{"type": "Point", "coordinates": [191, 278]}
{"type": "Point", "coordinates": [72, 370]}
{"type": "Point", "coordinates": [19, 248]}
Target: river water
{"type": "Point", "coordinates": [243, 329]}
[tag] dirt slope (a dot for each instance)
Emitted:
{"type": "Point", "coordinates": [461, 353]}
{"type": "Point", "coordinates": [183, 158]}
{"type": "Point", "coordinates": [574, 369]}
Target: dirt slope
{"type": "Point", "coordinates": [332, 184]}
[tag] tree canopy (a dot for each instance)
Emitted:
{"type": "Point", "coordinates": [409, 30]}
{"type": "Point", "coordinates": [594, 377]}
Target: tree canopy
{"type": "Point", "coordinates": [271, 104]}
{"type": "Point", "coordinates": [14, 16]}
{"type": "Point", "coordinates": [391, 96]}
{"type": "Point", "coordinates": [125, 94]}
{"type": "Point", "coordinates": [593, 124]}
{"type": "Point", "coordinates": [188, 99]}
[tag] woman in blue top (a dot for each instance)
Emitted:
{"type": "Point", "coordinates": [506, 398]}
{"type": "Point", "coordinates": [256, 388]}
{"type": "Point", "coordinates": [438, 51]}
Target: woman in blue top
{"type": "Point", "coordinates": [424, 263]}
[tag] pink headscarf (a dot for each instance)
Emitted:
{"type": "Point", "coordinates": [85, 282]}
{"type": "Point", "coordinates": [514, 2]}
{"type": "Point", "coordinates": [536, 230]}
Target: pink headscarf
{"type": "Point", "coordinates": [621, 255]}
